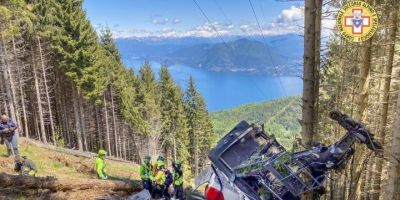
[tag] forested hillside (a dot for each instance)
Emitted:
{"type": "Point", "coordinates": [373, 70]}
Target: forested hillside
{"type": "Point", "coordinates": [64, 84]}
{"type": "Point", "coordinates": [362, 80]}
{"type": "Point", "coordinates": [239, 55]}
{"type": "Point", "coordinates": [279, 116]}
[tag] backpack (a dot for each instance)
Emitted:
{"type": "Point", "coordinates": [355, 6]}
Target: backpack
{"type": "Point", "coordinates": [169, 179]}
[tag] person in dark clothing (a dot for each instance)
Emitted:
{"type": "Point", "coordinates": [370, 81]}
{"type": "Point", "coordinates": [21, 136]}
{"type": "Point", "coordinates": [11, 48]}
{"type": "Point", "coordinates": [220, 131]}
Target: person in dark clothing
{"type": "Point", "coordinates": [168, 184]}
{"type": "Point", "coordinates": [7, 130]}
{"type": "Point", "coordinates": [24, 166]}
{"type": "Point", "coordinates": [178, 180]}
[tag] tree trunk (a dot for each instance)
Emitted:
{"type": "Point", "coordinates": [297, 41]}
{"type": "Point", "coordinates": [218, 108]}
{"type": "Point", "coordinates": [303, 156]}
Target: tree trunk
{"type": "Point", "coordinates": [51, 183]}
{"type": "Point", "coordinates": [22, 95]}
{"type": "Point", "coordinates": [78, 126]}
{"type": "Point", "coordinates": [311, 74]}
{"type": "Point", "coordinates": [362, 102]}
{"type": "Point", "coordinates": [124, 142]}
{"type": "Point", "coordinates": [114, 124]}
{"type": "Point", "coordinates": [385, 100]}
{"type": "Point", "coordinates": [39, 101]}
{"type": "Point", "coordinates": [308, 108]}
{"type": "Point", "coordinates": [82, 119]}
{"type": "Point", "coordinates": [317, 49]}
{"type": "Point", "coordinates": [47, 92]}
{"type": "Point", "coordinates": [107, 126]}
{"type": "Point", "coordinates": [392, 192]}
{"type": "Point", "coordinates": [20, 84]}
{"type": "Point", "coordinates": [98, 128]}
{"type": "Point", "coordinates": [8, 81]}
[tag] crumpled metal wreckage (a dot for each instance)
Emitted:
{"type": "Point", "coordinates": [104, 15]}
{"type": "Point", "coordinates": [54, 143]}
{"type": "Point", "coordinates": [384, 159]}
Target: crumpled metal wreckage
{"type": "Point", "coordinates": [250, 164]}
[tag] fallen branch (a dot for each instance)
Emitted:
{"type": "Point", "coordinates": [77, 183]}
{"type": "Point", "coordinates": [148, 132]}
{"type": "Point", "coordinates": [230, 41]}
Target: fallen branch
{"type": "Point", "coordinates": [51, 183]}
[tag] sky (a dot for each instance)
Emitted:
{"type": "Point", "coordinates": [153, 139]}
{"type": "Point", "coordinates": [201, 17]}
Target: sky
{"type": "Point", "coordinates": [182, 18]}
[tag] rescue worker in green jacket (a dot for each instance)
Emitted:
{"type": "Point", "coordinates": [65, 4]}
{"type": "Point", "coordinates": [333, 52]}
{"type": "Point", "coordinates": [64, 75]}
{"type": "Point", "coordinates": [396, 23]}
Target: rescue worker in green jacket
{"type": "Point", "coordinates": [178, 180]}
{"type": "Point", "coordinates": [159, 180]}
{"type": "Point", "coordinates": [101, 165]}
{"type": "Point", "coordinates": [155, 166]}
{"type": "Point", "coordinates": [24, 166]}
{"type": "Point", "coordinates": [146, 174]}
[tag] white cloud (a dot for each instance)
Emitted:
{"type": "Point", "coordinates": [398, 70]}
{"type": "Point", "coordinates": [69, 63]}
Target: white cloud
{"type": "Point", "coordinates": [158, 20]}
{"type": "Point", "coordinates": [209, 30]}
{"type": "Point", "coordinates": [176, 21]}
{"type": "Point", "coordinates": [289, 21]}
{"type": "Point", "coordinates": [126, 33]}
{"type": "Point", "coordinates": [270, 29]}
{"type": "Point", "coordinates": [213, 29]}
{"type": "Point", "coordinates": [292, 14]}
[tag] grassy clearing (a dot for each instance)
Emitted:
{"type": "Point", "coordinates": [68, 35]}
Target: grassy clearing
{"type": "Point", "coordinates": [66, 168]}
{"type": "Point", "coordinates": [62, 165]}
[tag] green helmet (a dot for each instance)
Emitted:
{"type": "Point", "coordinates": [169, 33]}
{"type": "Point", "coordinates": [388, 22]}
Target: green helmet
{"type": "Point", "coordinates": [178, 162]}
{"type": "Point", "coordinates": [146, 159]}
{"type": "Point", "coordinates": [161, 157]}
{"type": "Point", "coordinates": [102, 152]}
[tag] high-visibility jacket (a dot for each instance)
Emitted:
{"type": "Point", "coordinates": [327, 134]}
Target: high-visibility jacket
{"type": "Point", "coordinates": [26, 168]}
{"type": "Point", "coordinates": [101, 167]}
{"type": "Point", "coordinates": [146, 172]}
{"type": "Point", "coordinates": [178, 177]}
{"type": "Point", "coordinates": [156, 166]}
{"type": "Point", "coordinates": [160, 177]}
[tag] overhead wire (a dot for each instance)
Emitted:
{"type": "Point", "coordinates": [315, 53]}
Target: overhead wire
{"type": "Point", "coordinates": [209, 21]}
{"type": "Point", "coordinates": [274, 65]}
{"type": "Point", "coordinates": [222, 11]}
{"type": "Point", "coordinates": [221, 38]}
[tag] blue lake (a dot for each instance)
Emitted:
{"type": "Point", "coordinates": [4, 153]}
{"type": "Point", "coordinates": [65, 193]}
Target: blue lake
{"type": "Point", "coordinates": [224, 90]}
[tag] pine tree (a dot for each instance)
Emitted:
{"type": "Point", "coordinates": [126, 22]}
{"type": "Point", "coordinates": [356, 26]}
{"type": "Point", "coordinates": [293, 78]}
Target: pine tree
{"type": "Point", "coordinates": [173, 121]}
{"type": "Point", "coordinates": [148, 99]}
{"type": "Point", "coordinates": [201, 134]}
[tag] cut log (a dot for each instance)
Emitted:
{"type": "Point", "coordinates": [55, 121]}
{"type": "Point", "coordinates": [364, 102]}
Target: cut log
{"type": "Point", "coordinates": [51, 183]}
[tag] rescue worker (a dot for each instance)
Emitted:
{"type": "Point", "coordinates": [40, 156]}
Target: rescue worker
{"type": "Point", "coordinates": [146, 174]}
{"type": "Point", "coordinates": [155, 166]}
{"type": "Point", "coordinates": [178, 180]}
{"type": "Point", "coordinates": [101, 165]}
{"type": "Point", "coordinates": [7, 130]}
{"type": "Point", "coordinates": [24, 166]}
{"type": "Point", "coordinates": [168, 192]}
{"type": "Point", "coordinates": [160, 189]}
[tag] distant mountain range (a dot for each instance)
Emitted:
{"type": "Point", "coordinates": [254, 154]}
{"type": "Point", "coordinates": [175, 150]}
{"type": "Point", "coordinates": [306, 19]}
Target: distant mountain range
{"type": "Point", "coordinates": [281, 55]}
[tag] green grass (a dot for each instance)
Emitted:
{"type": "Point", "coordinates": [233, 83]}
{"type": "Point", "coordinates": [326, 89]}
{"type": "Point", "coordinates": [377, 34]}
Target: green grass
{"type": "Point", "coordinates": [65, 166]}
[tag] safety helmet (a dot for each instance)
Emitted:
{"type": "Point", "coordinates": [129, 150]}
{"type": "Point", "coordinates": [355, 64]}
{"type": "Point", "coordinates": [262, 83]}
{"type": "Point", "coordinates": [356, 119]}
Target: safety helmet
{"type": "Point", "coordinates": [146, 159]}
{"type": "Point", "coordinates": [102, 152]}
{"type": "Point", "coordinates": [161, 157]}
